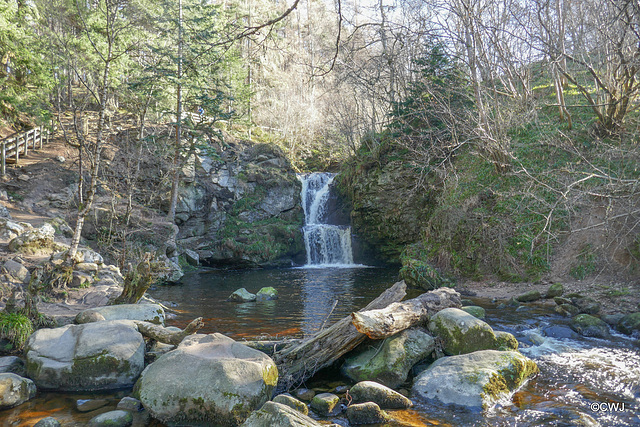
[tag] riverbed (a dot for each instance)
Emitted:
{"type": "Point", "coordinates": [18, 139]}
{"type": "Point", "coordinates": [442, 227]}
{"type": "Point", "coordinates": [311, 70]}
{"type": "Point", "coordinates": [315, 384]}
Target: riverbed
{"type": "Point", "coordinates": [582, 381]}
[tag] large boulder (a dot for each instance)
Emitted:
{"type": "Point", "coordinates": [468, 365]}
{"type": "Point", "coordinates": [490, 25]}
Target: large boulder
{"type": "Point", "coordinates": [475, 380]}
{"type": "Point", "coordinates": [462, 333]}
{"type": "Point", "coordinates": [93, 356]}
{"type": "Point", "coordinates": [34, 240]}
{"type": "Point", "coordinates": [153, 313]}
{"type": "Point", "coordinates": [274, 414]}
{"type": "Point", "coordinates": [389, 363]}
{"type": "Point", "coordinates": [15, 390]}
{"type": "Point", "coordinates": [207, 379]}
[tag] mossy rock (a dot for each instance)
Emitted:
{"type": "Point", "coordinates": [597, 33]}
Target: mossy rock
{"type": "Point", "coordinates": [461, 333]}
{"type": "Point", "coordinates": [529, 296]}
{"type": "Point", "coordinates": [506, 341]}
{"type": "Point", "coordinates": [475, 380]}
{"type": "Point", "coordinates": [555, 290]}
{"type": "Point", "coordinates": [417, 272]}
{"type": "Point", "coordinates": [568, 310]}
{"type": "Point", "coordinates": [325, 404]}
{"type": "Point", "coordinates": [629, 323]}
{"type": "Point", "coordinates": [475, 311]}
{"type": "Point", "coordinates": [267, 294]}
{"type": "Point", "coordinates": [590, 326]}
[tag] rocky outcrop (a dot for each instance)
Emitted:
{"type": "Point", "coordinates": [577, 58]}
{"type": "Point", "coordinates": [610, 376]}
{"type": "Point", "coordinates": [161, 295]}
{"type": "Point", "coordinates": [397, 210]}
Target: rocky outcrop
{"type": "Point", "coordinates": [242, 209]}
{"type": "Point", "coordinates": [389, 362]}
{"type": "Point", "coordinates": [93, 356]}
{"type": "Point", "coordinates": [387, 211]}
{"type": "Point", "coordinates": [207, 379]}
{"type": "Point", "coordinates": [476, 380]}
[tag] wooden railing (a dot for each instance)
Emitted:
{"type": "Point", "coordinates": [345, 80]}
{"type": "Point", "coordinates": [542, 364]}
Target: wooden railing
{"type": "Point", "coordinates": [17, 145]}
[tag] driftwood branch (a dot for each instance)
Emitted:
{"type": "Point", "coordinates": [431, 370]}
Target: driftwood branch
{"type": "Point", "coordinates": [167, 336]}
{"type": "Point", "coordinates": [382, 323]}
{"type": "Point", "coordinates": [298, 362]}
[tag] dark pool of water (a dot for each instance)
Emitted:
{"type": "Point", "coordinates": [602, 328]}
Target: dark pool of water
{"type": "Point", "coordinates": [305, 302]}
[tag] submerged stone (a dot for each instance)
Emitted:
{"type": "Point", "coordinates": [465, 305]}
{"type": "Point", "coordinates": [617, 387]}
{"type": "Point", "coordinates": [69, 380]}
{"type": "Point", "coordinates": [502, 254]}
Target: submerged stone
{"type": "Point", "coordinates": [115, 418]}
{"type": "Point", "coordinates": [267, 294]}
{"type": "Point", "coordinates": [366, 413]}
{"type": "Point", "coordinates": [242, 295]}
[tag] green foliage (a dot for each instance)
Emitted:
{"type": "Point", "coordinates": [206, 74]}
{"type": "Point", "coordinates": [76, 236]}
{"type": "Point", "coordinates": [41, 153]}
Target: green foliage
{"type": "Point", "coordinates": [417, 272]}
{"type": "Point", "coordinates": [586, 263]}
{"type": "Point", "coordinates": [15, 328]}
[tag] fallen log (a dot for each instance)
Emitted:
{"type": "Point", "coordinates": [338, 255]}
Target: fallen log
{"type": "Point", "coordinates": [298, 362]}
{"type": "Point", "coordinates": [168, 336]}
{"type": "Point", "coordinates": [382, 323]}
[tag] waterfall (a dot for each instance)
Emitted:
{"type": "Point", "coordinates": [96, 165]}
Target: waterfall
{"type": "Point", "coordinates": [326, 245]}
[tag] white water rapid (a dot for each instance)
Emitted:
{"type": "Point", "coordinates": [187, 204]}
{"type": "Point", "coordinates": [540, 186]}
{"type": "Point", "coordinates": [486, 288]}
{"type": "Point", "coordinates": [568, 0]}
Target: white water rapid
{"type": "Point", "coordinates": [327, 245]}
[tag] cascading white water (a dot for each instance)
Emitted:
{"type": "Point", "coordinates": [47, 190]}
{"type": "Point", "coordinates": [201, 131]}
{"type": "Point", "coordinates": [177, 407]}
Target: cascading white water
{"type": "Point", "coordinates": [327, 245]}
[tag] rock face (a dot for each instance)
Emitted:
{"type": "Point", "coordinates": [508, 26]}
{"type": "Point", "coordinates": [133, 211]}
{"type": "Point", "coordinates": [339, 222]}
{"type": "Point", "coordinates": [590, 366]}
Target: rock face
{"type": "Point", "coordinates": [476, 380]}
{"type": "Point", "coordinates": [243, 209]}
{"type": "Point", "coordinates": [94, 356]}
{"type": "Point", "coordinates": [276, 414]}
{"type": "Point", "coordinates": [207, 379]}
{"type": "Point", "coordinates": [462, 333]}
{"type": "Point", "coordinates": [144, 312]}
{"type": "Point", "coordinates": [15, 390]}
{"type": "Point", "coordinates": [391, 361]}
{"type": "Point", "coordinates": [386, 211]}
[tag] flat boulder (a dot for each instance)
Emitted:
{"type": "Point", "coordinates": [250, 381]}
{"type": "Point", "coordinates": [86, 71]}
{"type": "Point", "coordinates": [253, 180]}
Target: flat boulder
{"type": "Point", "coordinates": [94, 356]}
{"type": "Point", "coordinates": [207, 379]}
{"type": "Point", "coordinates": [153, 313]}
{"type": "Point", "coordinates": [15, 390]}
{"type": "Point", "coordinates": [475, 380]}
{"type": "Point", "coordinates": [463, 333]}
{"type": "Point", "coordinates": [276, 414]}
{"type": "Point", "coordinates": [390, 361]}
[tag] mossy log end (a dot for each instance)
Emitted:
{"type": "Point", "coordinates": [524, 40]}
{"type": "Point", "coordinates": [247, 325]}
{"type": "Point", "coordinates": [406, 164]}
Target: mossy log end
{"type": "Point", "coordinates": [299, 361]}
{"type": "Point", "coordinates": [167, 336]}
{"type": "Point", "coordinates": [388, 321]}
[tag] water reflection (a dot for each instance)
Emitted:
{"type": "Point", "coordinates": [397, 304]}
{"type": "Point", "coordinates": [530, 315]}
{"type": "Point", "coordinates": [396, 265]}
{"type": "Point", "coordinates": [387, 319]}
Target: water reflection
{"type": "Point", "coordinates": [306, 299]}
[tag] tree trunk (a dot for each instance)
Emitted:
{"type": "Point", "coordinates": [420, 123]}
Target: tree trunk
{"type": "Point", "coordinates": [382, 323]}
{"type": "Point", "coordinates": [167, 336]}
{"type": "Point", "coordinates": [300, 361]}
